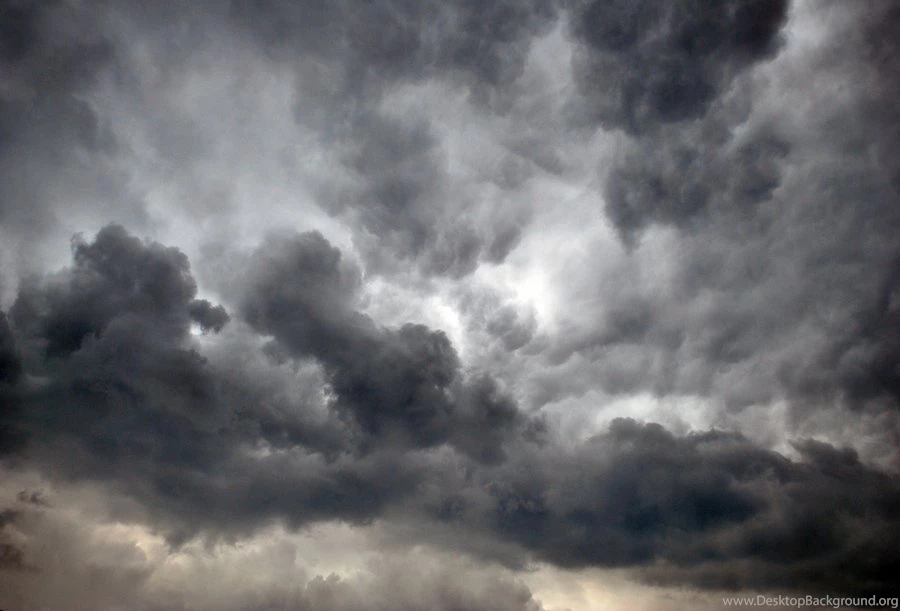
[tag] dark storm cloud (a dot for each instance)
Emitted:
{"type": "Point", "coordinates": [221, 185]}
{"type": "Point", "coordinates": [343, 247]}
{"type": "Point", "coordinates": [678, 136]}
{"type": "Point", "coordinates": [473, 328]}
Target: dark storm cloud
{"type": "Point", "coordinates": [46, 63]}
{"type": "Point", "coordinates": [680, 175]}
{"type": "Point", "coordinates": [10, 366]}
{"type": "Point", "coordinates": [675, 87]}
{"type": "Point", "coordinates": [639, 496]}
{"type": "Point", "coordinates": [862, 363]}
{"type": "Point", "coordinates": [639, 66]}
{"type": "Point", "coordinates": [761, 265]}
{"type": "Point", "coordinates": [10, 374]}
{"type": "Point", "coordinates": [33, 497]}
{"type": "Point", "coordinates": [404, 384]}
{"type": "Point", "coordinates": [108, 338]}
{"type": "Point", "coordinates": [643, 64]}
{"type": "Point", "coordinates": [394, 40]}
{"type": "Point", "coordinates": [123, 399]}
{"type": "Point", "coordinates": [121, 396]}
{"type": "Point", "coordinates": [402, 168]}
{"type": "Point", "coordinates": [208, 316]}
{"type": "Point", "coordinates": [115, 277]}
{"type": "Point", "coordinates": [832, 525]}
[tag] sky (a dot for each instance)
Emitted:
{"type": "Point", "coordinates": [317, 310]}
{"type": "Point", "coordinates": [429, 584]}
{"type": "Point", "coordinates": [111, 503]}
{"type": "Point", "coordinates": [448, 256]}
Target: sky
{"type": "Point", "coordinates": [526, 305]}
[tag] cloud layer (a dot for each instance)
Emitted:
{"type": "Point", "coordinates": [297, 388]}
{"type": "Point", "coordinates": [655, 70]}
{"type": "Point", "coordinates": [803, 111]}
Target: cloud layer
{"type": "Point", "coordinates": [588, 286]}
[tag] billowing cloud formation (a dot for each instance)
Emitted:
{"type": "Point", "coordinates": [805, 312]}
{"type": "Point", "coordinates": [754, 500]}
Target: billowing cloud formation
{"type": "Point", "coordinates": [786, 261]}
{"type": "Point", "coordinates": [669, 181]}
{"type": "Point", "coordinates": [406, 40]}
{"type": "Point", "coordinates": [124, 399]}
{"type": "Point", "coordinates": [407, 201]}
{"type": "Point", "coordinates": [114, 278]}
{"type": "Point", "coordinates": [593, 286]}
{"type": "Point", "coordinates": [638, 495]}
{"type": "Point", "coordinates": [122, 388]}
{"type": "Point", "coordinates": [643, 63]}
{"type": "Point", "coordinates": [349, 58]}
{"type": "Point", "coordinates": [402, 384]}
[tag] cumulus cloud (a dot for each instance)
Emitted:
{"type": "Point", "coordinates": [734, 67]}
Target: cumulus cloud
{"type": "Point", "coordinates": [150, 418]}
{"type": "Point", "coordinates": [405, 383]}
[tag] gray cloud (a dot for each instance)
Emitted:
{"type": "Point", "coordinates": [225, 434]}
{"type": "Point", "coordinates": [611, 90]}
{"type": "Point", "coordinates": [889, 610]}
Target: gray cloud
{"type": "Point", "coordinates": [643, 64]}
{"type": "Point", "coordinates": [147, 413]}
{"type": "Point", "coordinates": [10, 366]}
{"type": "Point", "coordinates": [404, 383]}
{"type": "Point", "coordinates": [109, 340]}
{"type": "Point", "coordinates": [779, 280]}
{"type": "Point", "coordinates": [407, 206]}
{"type": "Point", "coordinates": [12, 558]}
{"type": "Point", "coordinates": [10, 375]}
{"type": "Point", "coordinates": [415, 40]}
{"type": "Point", "coordinates": [116, 276]}
{"type": "Point", "coordinates": [156, 422]}
{"type": "Point", "coordinates": [68, 548]}
{"type": "Point", "coordinates": [680, 176]}
{"type": "Point", "coordinates": [56, 151]}
{"type": "Point", "coordinates": [584, 209]}
{"type": "Point", "coordinates": [713, 497]}
{"type": "Point", "coordinates": [343, 73]}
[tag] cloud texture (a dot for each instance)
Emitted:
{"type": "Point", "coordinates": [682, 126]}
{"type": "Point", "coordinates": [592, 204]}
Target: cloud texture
{"type": "Point", "coordinates": [397, 305]}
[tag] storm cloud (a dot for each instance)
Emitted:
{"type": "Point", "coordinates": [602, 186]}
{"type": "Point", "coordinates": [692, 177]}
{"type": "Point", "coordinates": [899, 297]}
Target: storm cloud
{"type": "Point", "coordinates": [643, 64]}
{"type": "Point", "coordinates": [401, 383]}
{"type": "Point", "coordinates": [445, 305]}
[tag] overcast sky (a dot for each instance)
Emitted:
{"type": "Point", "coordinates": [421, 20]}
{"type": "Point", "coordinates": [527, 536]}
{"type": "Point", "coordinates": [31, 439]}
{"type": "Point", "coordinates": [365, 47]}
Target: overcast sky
{"type": "Point", "coordinates": [451, 305]}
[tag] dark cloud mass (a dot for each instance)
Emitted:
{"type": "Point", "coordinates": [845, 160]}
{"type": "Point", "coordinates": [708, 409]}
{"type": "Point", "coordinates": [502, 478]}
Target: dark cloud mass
{"type": "Point", "coordinates": [10, 376]}
{"type": "Point", "coordinates": [644, 63]}
{"type": "Point", "coordinates": [126, 400]}
{"type": "Point", "coordinates": [404, 383]}
{"type": "Point", "coordinates": [447, 305]}
{"type": "Point", "coordinates": [676, 178]}
{"type": "Point", "coordinates": [640, 495]}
